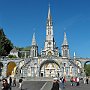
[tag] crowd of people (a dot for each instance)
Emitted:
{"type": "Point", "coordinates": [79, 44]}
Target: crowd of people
{"type": "Point", "coordinates": [61, 83]}
{"type": "Point", "coordinates": [10, 82]}
{"type": "Point", "coordinates": [57, 82]}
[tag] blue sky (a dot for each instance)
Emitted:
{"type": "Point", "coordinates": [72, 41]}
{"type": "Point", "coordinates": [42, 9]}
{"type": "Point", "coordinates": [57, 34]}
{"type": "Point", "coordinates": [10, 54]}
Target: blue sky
{"type": "Point", "coordinates": [21, 18]}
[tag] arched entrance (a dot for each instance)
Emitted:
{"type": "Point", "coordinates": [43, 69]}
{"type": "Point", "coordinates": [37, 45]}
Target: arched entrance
{"type": "Point", "coordinates": [87, 68]}
{"type": "Point", "coordinates": [11, 69]}
{"type": "Point", "coordinates": [49, 68]}
{"type": "Point", "coordinates": [1, 66]}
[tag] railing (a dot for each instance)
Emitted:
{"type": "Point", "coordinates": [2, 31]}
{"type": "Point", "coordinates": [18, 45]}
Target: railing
{"type": "Point", "coordinates": [19, 69]}
{"type": "Point", "coordinates": [72, 62]}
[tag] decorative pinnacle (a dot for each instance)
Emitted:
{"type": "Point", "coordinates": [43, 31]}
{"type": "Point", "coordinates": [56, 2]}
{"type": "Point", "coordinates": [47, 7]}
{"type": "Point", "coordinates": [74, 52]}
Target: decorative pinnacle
{"type": "Point", "coordinates": [65, 40]}
{"type": "Point", "coordinates": [33, 40]}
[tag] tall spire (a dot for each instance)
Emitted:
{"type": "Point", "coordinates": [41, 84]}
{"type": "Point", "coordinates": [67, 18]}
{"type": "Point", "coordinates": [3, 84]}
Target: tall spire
{"type": "Point", "coordinates": [74, 55]}
{"type": "Point", "coordinates": [49, 19]}
{"type": "Point", "coordinates": [33, 40]}
{"type": "Point", "coordinates": [65, 40]}
{"type": "Point", "coordinates": [49, 12]}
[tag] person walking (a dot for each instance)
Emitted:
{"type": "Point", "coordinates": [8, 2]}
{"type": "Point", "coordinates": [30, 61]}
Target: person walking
{"type": "Point", "coordinates": [20, 83]}
{"type": "Point", "coordinates": [55, 85]}
{"type": "Point", "coordinates": [14, 82]}
{"type": "Point", "coordinates": [84, 80]}
{"type": "Point", "coordinates": [10, 81]}
{"type": "Point", "coordinates": [78, 81]}
{"type": "Point", "coordinates": [71, 80]}
{"type": "Point", "coordinates": [87, 80]}
{"type": "Point", "coordinates": [5, 85]}
{"type": "Point", "coordinates": [63, 82]}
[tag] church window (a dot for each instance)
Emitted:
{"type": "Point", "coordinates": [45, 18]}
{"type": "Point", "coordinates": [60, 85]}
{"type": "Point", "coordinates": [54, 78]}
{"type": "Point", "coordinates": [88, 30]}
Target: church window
{"type": "Point", "coordinates": [50, 32]}
{"type": "Point", "coordinates": [49, 43]}
{"type": "Point", "coordinates": [66, 53]}
{"type": "Point", "coordinates": [33, 52]}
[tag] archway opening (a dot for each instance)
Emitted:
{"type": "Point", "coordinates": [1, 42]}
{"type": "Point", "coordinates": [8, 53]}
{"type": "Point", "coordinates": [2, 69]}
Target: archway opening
{"type": "Point", "coordinates": [87, 68]}
{"type": "Point", "coordinates": [11, 69]}
{"type": "Point", "coordinates": [49, 68]}
{"type": "Point", "coordinates": [78, 63]}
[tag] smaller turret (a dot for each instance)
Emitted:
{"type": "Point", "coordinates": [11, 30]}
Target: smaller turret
{"type": "Point", "coordinates": [65, 47]}
{"type": "Point", "coordinates": [34, 47]}
{"type": "Point", "coordinates": [74, 55]}
{"type": "Point", "coordinates": [33, 40]}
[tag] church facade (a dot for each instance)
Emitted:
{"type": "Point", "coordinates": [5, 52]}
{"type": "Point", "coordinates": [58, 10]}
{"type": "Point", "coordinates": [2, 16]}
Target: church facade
{"type": "Point", "coordinates": [50, 63]}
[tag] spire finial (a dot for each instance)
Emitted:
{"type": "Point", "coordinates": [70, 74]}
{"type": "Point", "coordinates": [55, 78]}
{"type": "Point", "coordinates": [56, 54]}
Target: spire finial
{"type": "Point", "coordinates": [33, 39]}
{"type": "Point", "coordinates": [49, 4]}
{"type": "Point", "coordinates": [65, 39]}
{"type": "Point", "coordinates": [49, 12]}
{"type": "Point", "coordinates": [74, 55]}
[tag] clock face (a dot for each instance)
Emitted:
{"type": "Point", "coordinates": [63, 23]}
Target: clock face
{"type": "Point", "coordinates": [49, 43]}
{"type": "Point", "coordinates": [49, 53]}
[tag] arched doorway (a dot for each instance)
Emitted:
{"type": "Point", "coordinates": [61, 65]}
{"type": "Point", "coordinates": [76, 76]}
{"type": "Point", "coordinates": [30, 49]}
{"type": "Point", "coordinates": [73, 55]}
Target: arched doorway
{"type": "Point", "coordinates": [49, 68]}
{"type": "Point", "coordinates": [11, 69]}
{"type": "Point", "coordinates": [1, 66]}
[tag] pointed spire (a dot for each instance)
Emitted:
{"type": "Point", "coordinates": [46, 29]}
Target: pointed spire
{"type": "Point", "coordinates": [74, 55]}
{"type": "Point", "coordinates": [49, 19]}
{"type": "Point", "coordinates": [65, 40]}
{"type": "Point", "coordinates": [33, 40]}
{"type": "Point", "coordinates": [49, 15]}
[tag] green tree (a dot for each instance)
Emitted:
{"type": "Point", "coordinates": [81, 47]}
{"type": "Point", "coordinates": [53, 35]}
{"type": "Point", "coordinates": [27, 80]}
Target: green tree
{"type": "Point", "coordinates": [12, 56]}
{"type": "Point", "coordinates": [87, 69]}
{"type": "Point", "coordinates": [5, 44]}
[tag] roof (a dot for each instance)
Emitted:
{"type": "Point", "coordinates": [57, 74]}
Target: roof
{"type": "Point", "coordinates": [14, 50]}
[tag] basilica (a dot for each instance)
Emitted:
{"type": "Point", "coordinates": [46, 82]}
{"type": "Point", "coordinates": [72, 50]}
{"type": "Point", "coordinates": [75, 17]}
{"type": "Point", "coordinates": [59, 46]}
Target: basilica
{"type": "Point", "coordinates": [49, 63]}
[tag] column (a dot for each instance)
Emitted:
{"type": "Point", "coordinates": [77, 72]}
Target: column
{"type": "Point", "coordinates": [25, 54]}
{"type": "Point", "coordinates": [44, 71]}
{"type": "Point", "coordinates": [32, 72]}
{"type": "Point", "coordinates": [4, 70]}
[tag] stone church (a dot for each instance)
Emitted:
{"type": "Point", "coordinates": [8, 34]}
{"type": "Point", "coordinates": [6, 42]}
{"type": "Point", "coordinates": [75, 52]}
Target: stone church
{"type": "Point", "coordinates": [50, 63]}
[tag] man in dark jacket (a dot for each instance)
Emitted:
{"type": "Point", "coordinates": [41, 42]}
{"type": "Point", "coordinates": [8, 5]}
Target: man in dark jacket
{"type": "Point", "coordinates": [5, 85]}
{"type": "Point", "coordinates": [55, 85]}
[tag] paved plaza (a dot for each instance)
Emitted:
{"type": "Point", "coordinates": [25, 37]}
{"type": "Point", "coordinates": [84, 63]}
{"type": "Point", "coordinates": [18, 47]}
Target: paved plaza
{"type": "Point", "coordinates": [33, 85]}
{"type": "Point", "coordinates": [82, 86]}
{"type": "Point", "coordinates": [46, 85]}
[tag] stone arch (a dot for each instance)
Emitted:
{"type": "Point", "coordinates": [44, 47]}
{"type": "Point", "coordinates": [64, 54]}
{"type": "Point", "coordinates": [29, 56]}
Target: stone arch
{"type": "Point", "coordinates": [79, 62]}
{"type": "Point", "coordinates": [86, 68]}
{"type": "Point", "coordinates": [86, 63]}
{"type": "Point", "coordinates": [19, 67]}
{"type": "Point", "coordinates": [1, 66]}
{"type": "Point", "coordinates": [21, 63]}
{"type": "Point", "coordinates": [46, 62]}
{"type": "Point", "coordinates": [11, 68]}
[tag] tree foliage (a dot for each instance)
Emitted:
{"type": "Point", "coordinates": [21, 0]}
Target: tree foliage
{"type": "Point", "coordinates": [5, 44]}
{"type": "Point", "coordinates": [87, 69]}
{"type": "Point", "coordinates": [12, 56]}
